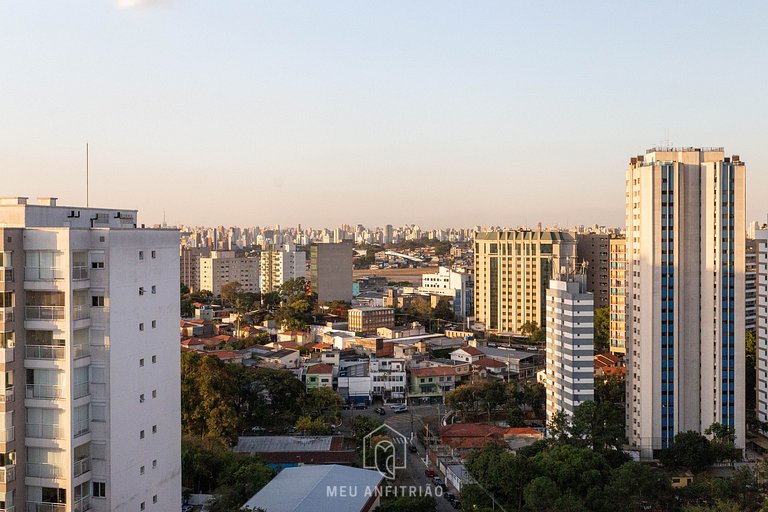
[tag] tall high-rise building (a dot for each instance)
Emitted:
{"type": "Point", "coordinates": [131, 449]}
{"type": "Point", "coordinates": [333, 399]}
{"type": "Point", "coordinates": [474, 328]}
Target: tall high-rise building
{"type": "Point", "coordinates": [750, 285]}
{"type": "Point", "coordinates": [570, 367]}
{"type": "Point", "coordinates": [189, 265]}
{"type": "Point", "coordinates": [761, 330]}
{"type": "Point", "coordinates": [618, 293]}
{"type": "Point", "coordinates": [331, 271]}
{"type": "Point", "coordinates": [512, 273]}
{"type": "Point", "coordinates": [280, 264]}
{"type": "Point", "coordinates": [90, 402]}
{"type": "Point", "coordinates": [223, 267]}
{"type": "Point", "coordinates": [594, 249]}
{"type": "Point", "coordinates": [685, 294]}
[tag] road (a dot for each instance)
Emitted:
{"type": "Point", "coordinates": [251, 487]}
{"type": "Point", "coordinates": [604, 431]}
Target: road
{"type": "Point", "coordinates": [407, 424]}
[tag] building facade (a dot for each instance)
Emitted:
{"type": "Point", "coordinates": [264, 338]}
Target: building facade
{"type": "Point", "coordinates": [331, 271]}
{"type": "Point", "coordinates": [281, 264]}
{"type": "Point", "coordinates": [512, 273]}
{"type": "Point", "coordinates": [595, 250]}
{"type": "Point", "coordinates": [570, 372]}
{"type": "Point", "coordinates": [223, 267]}
{"type": "Point", "coordinates": [369, 320]}
{"type": "Point", "coordinates": [618, 296]}
{"type": "Point", "coordinates": [90, 359]}
{"type": "Point", "coordinates": [460, 286]}
{"type": "Point", "coordinates": [761, 330]}
{"type": "Point", "coordinates": [685, 294]}
{"type": "Point", "coordinates": [189, 265]}
{"type": "Point", "coordinates": [750, 284]}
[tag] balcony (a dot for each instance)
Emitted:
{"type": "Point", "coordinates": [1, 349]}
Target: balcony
{"type": "Point", "coordinates": [44, 392]}
{"type": "Point", "coordinates": [81, 428]}
{"type": "Point", "coordinates": [7, 474]}
{"type": "Point", "coordinates": [46, 352]}
{"type": "Point", "coordinates": [6, 274]}
{"type": "Point", "coordinates": [7, 435]}
{"type": "Point", "coordinates": [81, 312]}
{"type": "Point", "coordinates": [82, 466]}
{"type": "Point", "coordinates": [44, 312]}
{"type": "Point", "coordinates": [6, 315]}
{"type": "Point", "coordinates": [43, 273]}
{"type": "Point", "coordinates": [80, 390]}
{"type": "Point", "coordinates": [8, 396]}
{"type": "Point", "coordinates": [6, 355]}
{"type": "Point", "coordinates": [41, 506]}
{"type": "Point", "coordinates": [82, 505]}
{"type": "Point", "coordinates": [41, 431]}
{"type": "Point", "coordinates": [79, 273]}
{"type": "Point", "coordinates": [8, 508]}
{"type": "Point", "coordinates": [44, 470]}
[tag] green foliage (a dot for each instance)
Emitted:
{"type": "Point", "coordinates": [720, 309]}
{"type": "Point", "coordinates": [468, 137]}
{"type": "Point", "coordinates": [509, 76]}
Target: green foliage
{"type": "Point", "coordinates": [610, 389]}
{"type": "Point", "coordinates": [230, 292]}
{"type": "Point", "coordinates": [322, 403]}
{"type": "Point", "coordinates": [408, 504]}
{"type": "Point", "coordinates": [602, 328]}
{"type": "Point", "coordinates": [690, 450]}
{"type": "Point", "coordinates": [312, 426]}
{"type": "Point", "coordinates": [420, 309]}
{"type": "Point", "coordinates": [444, 310]}
{"type": "Point", "coordinates": [297, 305]}
{"type": "Point", "coordinates": [363, 425]}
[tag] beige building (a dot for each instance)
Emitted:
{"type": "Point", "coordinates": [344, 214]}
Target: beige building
{"type": "Point", "coordinates": [368, 320]}
{"type": "Point", "coordinates": [685, 294]}
{"type": "Point", "coordinates": [331, 271]}
{"type": "Point", "coordinates": [594, 249]}
{"type": "Point", "coordinates": [512, 273]}
{"type": "Point", "coordinates": [618, 292]}
{"type": "Point", "coordinates": [223, 267]}
{"type": "Point", "coordinates": [281, 264]}
{"type": "Point", "coordinates": [189, 265]}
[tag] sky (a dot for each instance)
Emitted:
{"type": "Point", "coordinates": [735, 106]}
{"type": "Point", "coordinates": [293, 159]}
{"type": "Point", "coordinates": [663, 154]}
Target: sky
{"type": "Point", "coordinates": [433, 112]}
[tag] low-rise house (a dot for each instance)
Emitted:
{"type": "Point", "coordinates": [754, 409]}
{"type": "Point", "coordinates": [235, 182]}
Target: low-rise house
{"type": "Point", "coordinates": [433, 381]}
{"type": "Point", "coordinates": [388, 378]}
{"type": "Point", "coordinates": [467, 354]}
{"type": "Point", "coordinates": [196, 327]}
{"type": "Point", "coordinates": [299, 337]}
{"type": "Point", "coordinates": [522, 362]}
{"type": "Point", "coordinates": [319, 376]}
{"type": "Point", "coordinates": [281, 452]}
{"type": "Point", "coordinates": [475, 436]}
{"type": "Point", "coordinates": [609, 364]}
{"type": "Point", "coordinates": [288, 358]}
{"type": "Point", "coordinates": [228, 356]}
{"type": "Point", "coordinates": [487, 367]}
{"type": "Point", "coordinates": [353, 382]}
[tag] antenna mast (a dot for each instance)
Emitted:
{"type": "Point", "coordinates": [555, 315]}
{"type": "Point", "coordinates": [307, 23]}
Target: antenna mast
{"type": "Point", "coordinates": [87, 177]}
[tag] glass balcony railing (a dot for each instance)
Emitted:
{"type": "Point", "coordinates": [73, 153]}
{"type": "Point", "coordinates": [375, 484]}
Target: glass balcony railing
{"type": "Point", "coordinates": [41, 431]}
{"type": "Point", "coordinates": [81, 312]}
{"type": "Point", "coordinates": [6, 315]}
{"type": "Point", "coordinates": [81, 505]}
{"type": "Point", "coordinates": [7, 435]}
{"type": "Point", "coordinates": [8, 508]}
{"type": "Point", "coordinates": [8, 395]}
{"type": "Point", "coordinates": [44, 391]}
{"type": "Point", "coordinates": [79, 351]}
{"type": "Point", "coordinates": [80, 390]}
{"type": "Point", "coordinates": [45, 352]}
{"type": "Point", "coordinates": [6, 274]}
{"type": "Point", "coordinates": [82, 466]}
{"type": "Point", "coordinates": [44, 470]}
{"type": "Point", "coordinates": [81, 428]}
{"type": "Point", "coordinates": [44, 312]}
{"type": "Point", "coordinates": [7, 474]}
{"type": "Point", "coordinates": [41, 506]}
{"type": "Point", "coordinates": [79, 273]}
{"type": "Point", "coordinates": [43, 273]}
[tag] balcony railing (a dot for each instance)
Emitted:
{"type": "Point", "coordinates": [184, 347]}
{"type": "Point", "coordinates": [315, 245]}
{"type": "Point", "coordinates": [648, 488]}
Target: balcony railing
{"type": "Point", "coordinates": [6, 315]}
{"type": "Point", "coordinates": [82, 466]}
{"type": "Point", "coordinates": [6, 354]}
{"type": "Point", "coordinates": [79, 351]}
{"type": "Point", "coordinates": [81, 428]}
{"type": "Point", "coordinates": [7, 435]}
{"type": "Point", "coordinates": [43, 273]}
{"type": "Point", "coordinates": [82, 505]}
{"type": "Point", "coordinates": [8, 508]}
{"type": "Point", "coordinates": [44, 312]}
{"type": "Point", "coordinates": [8, 395]}
{"type": "Point", "coordinates": [7, 474]}
{"type": "Point", "coordinates": [44, 470]}
{"type": "Point", "coordinates": [39, 506]}
{"type": "Point", "coordinates": [44, 391]}
{"type": "Point", "coordinates": [81, 312]}
{"type": "Point", "coordinates": [80, 390]}
{"type": "Point", "coordinates": [41, 431]}
{"type": "Point", "coordinates": [6, 274]}
{"type": "Point", "coordinates": [45, 352]}
{"type": "Point", "coordinates": [79, 273]}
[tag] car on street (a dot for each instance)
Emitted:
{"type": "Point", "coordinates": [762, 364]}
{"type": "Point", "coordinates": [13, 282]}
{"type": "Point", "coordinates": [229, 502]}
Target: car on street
{"type": "Point", "coordinates": [361, 405]}
{"type": "Point", "coordinates": [395, 405]}
{"type": "Point", "coordinates": [346, 407]}
{"type": "Point", "coordinates": [258, 430]}
{"type": "Point", "coordinates": [402, 408]}
{"type": "Point", "coordinates": [380, 410]}
{"type": "Point", "coordinates": [429, 473]}
{"type": "Point", "coordinates": [449, 496]}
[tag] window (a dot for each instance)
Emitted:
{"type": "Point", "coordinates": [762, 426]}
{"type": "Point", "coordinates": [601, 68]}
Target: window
{"type": "Point", "coordinates": [154, 429]}
{"type": "Point", "coordinates": [141, 435]}
{"type": "Point", "coordinates": [99, 489]}
{"type": "Point", "coordinates": [141, 326]}
{"type": "Point", "coordinates": [154, 289]}
{"type": "Point", "coordinates": [154, 359]}
{"type": "Point", "coordinates": [141, 290]}
{"type": "Point", "coordinates": [97, 301]}
{"type": "Point", "coordinates": [141, 470]}
{"type": "Point", "coordinates": [141, 398]}
{"type": "Point", "coordinates": [154, 325]}
{"type": "Point", "coordinates": [141, 257]}
{"type": "Point", "coordinates": [142, 506]}
{"type": "Point", "coordinates": [154, 393]}
{"type": "Point", "coordinates": [154, 463]}
{"type": "Point", "coordinates": [141, 362]}
{"type": "Point", "coordinates": [154, 254]}
{"type": "Point", "coordinates": [102, 239]}
{"type": "Point", "coordinates": [97, 264]}
{"type": "Point", "coordinates": [154, 498]}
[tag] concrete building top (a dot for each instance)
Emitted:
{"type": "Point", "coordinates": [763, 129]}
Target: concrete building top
{"type": "Point", "coordinates": [18, 212]}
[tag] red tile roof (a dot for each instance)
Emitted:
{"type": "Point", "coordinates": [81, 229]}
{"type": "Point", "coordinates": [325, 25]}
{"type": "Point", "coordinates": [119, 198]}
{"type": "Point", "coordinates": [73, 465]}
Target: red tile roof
{"type": "Point", "coordinates": [473, 351]}
{"type": "Point", "coordinates": [489, 363]}
{"type": "Point", "coordinates": [225, 355]}
{"type": "Point", "coordinates": [434, 371]}
{"type": "Point", "coordinates": [320, 369]}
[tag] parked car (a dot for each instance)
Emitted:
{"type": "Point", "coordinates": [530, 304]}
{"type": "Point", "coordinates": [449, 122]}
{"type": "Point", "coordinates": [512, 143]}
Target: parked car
{"type": "Point", "coordinates": [437, 481]}
{"type": "Point", "coordinates": [186, 508]}
{"type": "Point", "coordinates": [403, 408]}
{"type": "Point", "coordinates": [361, 405]}
{"type": "Point", "coordinates": [380, 410]}
{"type": "Point", "coordinates": [429, 473]}
{"type": "Point", "coordinates": [258, 430]}
{"type": "Point", "coordinates": [346, 407]}
{"type": "Point", "coordinates": [395, 405]}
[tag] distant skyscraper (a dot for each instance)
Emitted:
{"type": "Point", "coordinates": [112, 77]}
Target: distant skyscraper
{"type": "Point", "coordinates": [280, 264]}
{"type": "Point", "coordinates": [331, 271]}
{"type": "Point", "coordinates": [512, 273]}
{"type": "Point", "coordinates": [223, 267]}
{"type": "Point", "coordinates": [618, 293]}
{"type": "Point", "coordinates": [750, 285]}
{"type": "Point", "coordinates": [90, 398]}
{"type": "Point", "coordinates": [685, 294]}
{"type": "Point", "coordinates": [570, 370]}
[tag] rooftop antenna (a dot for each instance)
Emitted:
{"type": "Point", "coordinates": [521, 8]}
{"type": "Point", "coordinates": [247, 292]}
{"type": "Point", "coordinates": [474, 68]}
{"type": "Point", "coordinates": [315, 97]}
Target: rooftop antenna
{"type": "Point", "coordinates": [87, 177]}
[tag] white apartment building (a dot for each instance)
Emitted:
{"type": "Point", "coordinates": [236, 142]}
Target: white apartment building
{"type": "Point", "coordinates": [388, 378]}
{"type": "Point", "coordinates": [449, 283]}
{"type": "Point", "coordinates": [281, 264]}
{"type": "Point", "coordinates": [570, 372]}
{"type": "Point", "coordinates": [685, 279]}
{"type": "Point", "coordinates": [223, 267]}
{"type": "Point", "coordinates": [89, 324]}
{"type": "Point", "coordinates": [761, 237]}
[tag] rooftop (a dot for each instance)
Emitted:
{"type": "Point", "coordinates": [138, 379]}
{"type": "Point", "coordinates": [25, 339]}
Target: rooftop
{"type": "Point", "coordinates": [259, 444]}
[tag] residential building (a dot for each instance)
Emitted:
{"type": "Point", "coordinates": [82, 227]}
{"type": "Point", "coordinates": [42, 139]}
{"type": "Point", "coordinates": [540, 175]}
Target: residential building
{"type": "Point", "coordinates": [761, 338]}
{"type": "Point", "coordinates": [750, 284]}
{"type": "Point", "coordinates": [467, 354]}
{"type": "Point", "coordinates": [433, 381]}
{"type": "Point", "coordinates": [458, 285]}
{"type": "Point", "coordinates": [331, 271]}
{"type": "Point", "coordinates": [685, 294]}
{"type": "Point", "coordinates": [594, 249]}
{"type": "Point", "coordinates": [570, 350]}
{"type": "Point", "coordinates": [512, 272]}
{"type": "Point", "coordinates": [224, 267]}
{"type": "Point", "coordinates": [368, 320]}
{"type": "Point", "coordinates": [354, 383]}
{"type": "Point", "coordinates": [90, 360]}
{"type": "Point", "coordinates": [279, 264]}
{"type": "Point", "coordinates": [319, 375]}
{"type": "Point", "coordinates": [388, 378]}
{"type": "Point", "coordinates": [618, 294]}
{"type": "Point", "coordinates": [189, 265]}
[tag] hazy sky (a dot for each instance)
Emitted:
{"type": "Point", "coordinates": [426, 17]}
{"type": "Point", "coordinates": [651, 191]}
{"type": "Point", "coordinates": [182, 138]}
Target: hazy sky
{"type": "Point", "coordinates": [324, 112]}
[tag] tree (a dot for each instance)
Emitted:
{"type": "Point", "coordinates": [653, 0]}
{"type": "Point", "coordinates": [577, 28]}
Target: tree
{"type": "Point", "coordinates": [444, 310]}
{"type": "Point", "coordinates": [312, 426]}
{"type": "Point", "coordinates": [602, 328]}
{"type": "Point", "coordinates": [599, 425]}
{"type": "Point", "coordinates": [541, 494]}
{"type": "Point", "coordinates": [689, 450]}
{"type": "Point", "coordinates": [243, 477]}
{"type": "Point", "coordinates": [409, 504]}
{"type": "Point", "coordinates": [610, 389]}
{"type": "Point", "coordinates": [322, 403]}
{"type": "Point", "coordinates": [633, 484]}
{"type": "Point", "coordinates": [723, 441]}
{"type": "Point", "coordinates": [230, 291]}
{"type": "Point", "coordinates": [420, 309]}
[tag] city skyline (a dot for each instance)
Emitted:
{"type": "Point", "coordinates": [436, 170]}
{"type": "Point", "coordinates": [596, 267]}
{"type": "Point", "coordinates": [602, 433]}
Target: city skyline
{"type": "Point", "coordinates": [281, 109]}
